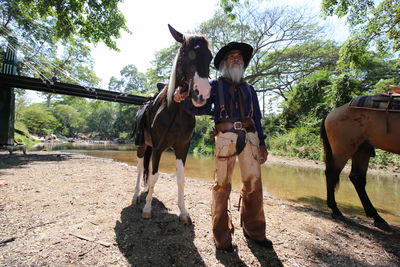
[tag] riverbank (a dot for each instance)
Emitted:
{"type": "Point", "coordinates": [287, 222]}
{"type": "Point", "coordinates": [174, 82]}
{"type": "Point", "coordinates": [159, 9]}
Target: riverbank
{"type": "Point", "coordinates": [60, 209]}
{"type": "Point", "coordinates": [317, 164]}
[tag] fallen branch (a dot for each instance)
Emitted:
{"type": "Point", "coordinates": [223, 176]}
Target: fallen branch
{"type": "Point", "coordinates": [86, 252]}
{"type": "Point", "coordinates": [11, 239]}
{"type": "Point", "coordinates": [41, 224]}
{"type": "Point", "coordinates": [103, 243]}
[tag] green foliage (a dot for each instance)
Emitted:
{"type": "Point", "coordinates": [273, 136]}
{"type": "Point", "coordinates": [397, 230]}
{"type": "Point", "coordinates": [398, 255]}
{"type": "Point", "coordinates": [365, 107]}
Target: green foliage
{"type": "Point", "coordinates": [374, 24]}
{"type": "Point", "coordinates": [345, 88]}
{"type": "Point", "coordinates": [203, 140]}
{"type": "Point", "coordinates": [20, 127]}
{"type": "Point", "coordinates": [300, 142]}
{"type": "Point", "coordinates": [304, 98]}
{"type": "Point", "coordinates": [383, 86]}
{"type": "Point", "coordinates": [162, 63]}
{"type": "Point", "coordinates": [68, 117]}
{"type": "Point", "coordinates": [291, 62]}
{"type": "Point", "coordinates": [39, 120]}
{"type": "Point", "coordinates": [124, 122]}
{"type": "Point", "coordinates": [131, 81]}
{"type": "Point", "coordinates": [357, 10]}
{"type": "Point", "coordinates": [272, 125]}
{"type": "Point", "coordinates": [229, 5]}
{"type": "Point", "coordinates": [385, 158]}
{"type": "Point", "coordinates": [285, 40]}
{"type": "Point", "coordinates": [288, 66]}
{"type": "Point", "coordinates": [94, 21]}
{"type": "Point", "coordinates": [102, 118]}
{"type": "Point", "coordinates": [22, 135]}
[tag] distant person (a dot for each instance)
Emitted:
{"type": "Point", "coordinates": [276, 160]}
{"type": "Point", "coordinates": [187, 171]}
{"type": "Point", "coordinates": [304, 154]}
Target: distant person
{"type": "Point", "coordinates": [239, 134]}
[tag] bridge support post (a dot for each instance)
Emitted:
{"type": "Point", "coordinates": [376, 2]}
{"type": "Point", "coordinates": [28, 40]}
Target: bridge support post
{"type": "Point", "coordinates": [7, 96]}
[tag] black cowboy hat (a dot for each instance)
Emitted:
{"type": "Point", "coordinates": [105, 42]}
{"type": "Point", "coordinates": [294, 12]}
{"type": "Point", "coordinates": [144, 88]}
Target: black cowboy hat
{"type": "Point", "coordinates": [246, 49]}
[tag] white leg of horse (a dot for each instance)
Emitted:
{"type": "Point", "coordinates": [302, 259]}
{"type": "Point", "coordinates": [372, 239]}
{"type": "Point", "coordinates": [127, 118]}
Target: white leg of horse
{"type": "Point", "coordinates": [139, 169]}
{"type": "Point", "coordinates": [146, 213]}
{"type": "Point", "coordinates": [180, 179]}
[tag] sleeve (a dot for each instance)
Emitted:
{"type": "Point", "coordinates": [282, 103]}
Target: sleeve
{"type": "Point", "coordinates": [203, 110]}
{"type": "Point", "coordinates": [257, 117]}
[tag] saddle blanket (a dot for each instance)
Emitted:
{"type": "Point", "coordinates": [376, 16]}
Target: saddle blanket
{"type": "Point", "coordinates": [383, 102]}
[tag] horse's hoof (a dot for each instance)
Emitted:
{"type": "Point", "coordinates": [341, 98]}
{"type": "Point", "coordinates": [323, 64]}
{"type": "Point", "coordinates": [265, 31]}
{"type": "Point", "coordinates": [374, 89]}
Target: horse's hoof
{"type": "Point", "coordinates": [146, 214]}
{"type": "Point", "coordinates": [383, 226]}
{"type": "Point", "coordinates": [185, 219]}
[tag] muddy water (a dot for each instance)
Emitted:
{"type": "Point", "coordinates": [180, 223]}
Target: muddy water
{"type": "Point", "coordinates": [303, 185]}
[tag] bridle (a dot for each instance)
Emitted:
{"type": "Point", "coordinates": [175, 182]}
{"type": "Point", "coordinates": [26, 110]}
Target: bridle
{"type": "Point", "coordinates": [181, 79]}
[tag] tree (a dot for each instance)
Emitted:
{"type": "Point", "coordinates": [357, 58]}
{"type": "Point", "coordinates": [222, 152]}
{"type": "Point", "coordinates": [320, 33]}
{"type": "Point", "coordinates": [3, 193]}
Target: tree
{"type": "Point", "coordinates": [131, 81]}
{"type": "Point", "coordinates": [163, 62]}
{"type": "Point", "coordinates": [39, 120]}
{"type": "Point", "coordinates": [229, 5]}
{"type": "Point", "coordinates": [44, 28]}
{"type": "Point", "coordinates": [374, 24]}
{"type": "Point", "coordinates": [284, 68]}
{"type": "Point", "coordinates": [68, 118]}
{"type": "Point", "coordinates": [75, 65]}
{"type": "Point", "coordinates": [93, 21]}
{"type": "Point", "coordinates": [305, 97]}
{"type": "Point", "coordinates": [101, 119]}
{"type": "Point", "coordinates": [277, 34]}
{"type": "Point", "coordinates": [125, 119]}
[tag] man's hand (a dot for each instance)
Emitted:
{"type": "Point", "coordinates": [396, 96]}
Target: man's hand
{"type": "Point", "coordinates": [263, 154]}
{"type": "Point", "coordinates": [178, 96]}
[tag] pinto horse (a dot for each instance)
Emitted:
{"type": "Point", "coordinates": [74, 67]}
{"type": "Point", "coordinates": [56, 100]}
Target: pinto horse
{"type": "Point", "coordinates": [354, 133]}
{"type": "Point", "coordinates": [165, 124]}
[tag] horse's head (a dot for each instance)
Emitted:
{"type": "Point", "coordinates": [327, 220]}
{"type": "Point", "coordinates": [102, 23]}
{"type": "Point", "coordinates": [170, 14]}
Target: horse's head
{"type": "Point", "coordinates": [191, 68]}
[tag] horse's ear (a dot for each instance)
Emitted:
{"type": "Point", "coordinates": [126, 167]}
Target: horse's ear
{"type": "Point", "coordinates": [177, 35]}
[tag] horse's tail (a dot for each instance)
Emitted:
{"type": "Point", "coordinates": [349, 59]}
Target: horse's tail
{"type": "Point", "coordinates": [146, 163]}
{"type": "Point", "coordinates": [328, 155]}
{"type": "Point", "coordinates": [325, 143]}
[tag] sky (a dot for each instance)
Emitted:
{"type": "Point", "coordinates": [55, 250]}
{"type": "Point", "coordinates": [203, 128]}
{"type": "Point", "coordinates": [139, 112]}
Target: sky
{"type": "Point", "coordinates": [148, 20]}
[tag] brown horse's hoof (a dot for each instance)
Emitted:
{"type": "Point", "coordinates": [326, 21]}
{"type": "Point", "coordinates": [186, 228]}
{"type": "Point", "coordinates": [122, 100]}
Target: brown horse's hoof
{"type": "Point", "coordinates": [185, 219]}
{"type": "Point", "coordinates": [383, 226]}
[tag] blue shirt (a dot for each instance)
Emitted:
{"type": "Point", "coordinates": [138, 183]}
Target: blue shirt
{"type": "Point", "coordinates": [212, 107]}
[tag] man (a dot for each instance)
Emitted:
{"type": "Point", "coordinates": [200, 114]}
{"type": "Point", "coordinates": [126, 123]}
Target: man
{"type": "Point", "coordinates": [239, 134]}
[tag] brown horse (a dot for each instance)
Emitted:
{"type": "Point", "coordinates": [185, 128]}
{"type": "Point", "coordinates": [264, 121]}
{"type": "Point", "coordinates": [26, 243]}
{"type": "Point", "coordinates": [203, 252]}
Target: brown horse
{"type": "Point", "coordinates": [165, 124]}
{"type": "Point", "coordinates": [354, 133]}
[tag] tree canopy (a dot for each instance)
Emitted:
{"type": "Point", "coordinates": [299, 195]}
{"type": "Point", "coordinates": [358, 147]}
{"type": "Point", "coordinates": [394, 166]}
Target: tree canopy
{"type": "Point", "coordinates": [94, 21]}
{"type": "Point", "coordinates": [283, 39]}
{"type": "Point", "coordinates": [374, 24]}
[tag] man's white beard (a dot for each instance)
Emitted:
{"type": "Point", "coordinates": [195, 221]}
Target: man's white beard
{"type": "Point", "coordinates": [235, 74]}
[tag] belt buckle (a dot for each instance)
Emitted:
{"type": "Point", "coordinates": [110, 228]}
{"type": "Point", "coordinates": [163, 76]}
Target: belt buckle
{"type": "Point", "coordinates": [237, 125]}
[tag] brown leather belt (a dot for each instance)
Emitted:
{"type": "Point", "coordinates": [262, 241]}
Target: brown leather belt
{"type": "Point", "coordinates": [247, 125]}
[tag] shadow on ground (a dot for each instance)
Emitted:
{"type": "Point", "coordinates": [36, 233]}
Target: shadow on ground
{"type": "Point", "coordinates": [19, 160]}
{"type": "Point", "coordinates": [159, 241]}
{"type": "Point", "coordinates": [320, 204]}
{"type": "Point", "coordinates": [351, 225]}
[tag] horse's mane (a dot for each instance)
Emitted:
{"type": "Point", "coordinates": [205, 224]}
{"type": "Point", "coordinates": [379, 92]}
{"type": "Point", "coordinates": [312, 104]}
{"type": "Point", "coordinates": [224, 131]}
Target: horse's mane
{"type": "Point", "coordinates": [172, 81]}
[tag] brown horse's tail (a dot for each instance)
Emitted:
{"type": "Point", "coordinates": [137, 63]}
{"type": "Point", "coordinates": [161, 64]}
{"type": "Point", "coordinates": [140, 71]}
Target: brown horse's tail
{"type": "Point", "coordinates": [328, 156]}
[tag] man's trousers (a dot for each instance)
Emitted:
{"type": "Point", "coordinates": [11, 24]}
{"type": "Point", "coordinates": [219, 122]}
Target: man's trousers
{"type": "Point", "coordinates": [252, 212]}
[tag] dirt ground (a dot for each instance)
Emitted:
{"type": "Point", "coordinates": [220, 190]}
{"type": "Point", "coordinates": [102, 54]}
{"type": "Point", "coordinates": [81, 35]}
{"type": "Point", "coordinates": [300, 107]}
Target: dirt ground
{"type": "Point", "coordinates": [60, 209]}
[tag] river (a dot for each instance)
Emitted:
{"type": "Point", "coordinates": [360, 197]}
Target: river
{"type": "Point", "coordinates": [298, 184]}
